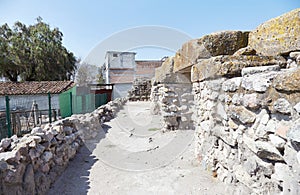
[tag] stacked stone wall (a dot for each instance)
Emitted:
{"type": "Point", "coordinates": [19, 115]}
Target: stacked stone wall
{"type": "Point", "coordinates": [30, 164]}
{"type": "Point", "coordinates": [246, 88]}
{"type": "Point", "coordinates": [174, 102]}
{"type": "Point", "coordinates": [247, 128]}
{"type": "Point", "coordinates": [140, 90]}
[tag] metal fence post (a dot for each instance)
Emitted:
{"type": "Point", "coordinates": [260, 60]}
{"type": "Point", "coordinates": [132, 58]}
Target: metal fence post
{"type": "Point", "coordinates": [71, 103]}
{"type": "Point", "coordinates": [50, 111]}
{"type": "Point", "coordinates": [35, 113]}
{"type": "Point", "coordinates": [9, 134]}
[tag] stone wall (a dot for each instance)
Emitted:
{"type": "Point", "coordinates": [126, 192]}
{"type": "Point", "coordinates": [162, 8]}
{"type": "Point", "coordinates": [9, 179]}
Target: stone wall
{"type": "Point", "coordinates": [247, 128]}
{"type": "Point", "coordinates": [246, 111]}
{"type": "Point", "coordinates": [140, 90]}
{"type": "Point", "coordinates": [30, 164]}
{"type": "Point", "coordinates": [88, 124]}
{"type": "Point", "coordinates": [174, 102]}
{"type": "Point", "coordinates": [171, 97]}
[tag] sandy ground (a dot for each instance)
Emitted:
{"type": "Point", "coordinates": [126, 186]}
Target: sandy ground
{"type": "Point", "coordinates": [131, 156]}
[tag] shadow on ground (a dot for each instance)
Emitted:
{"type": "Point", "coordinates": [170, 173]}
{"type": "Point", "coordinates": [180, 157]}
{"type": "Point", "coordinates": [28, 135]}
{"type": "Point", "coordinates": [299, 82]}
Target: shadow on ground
{"type": "Point", "coordinates": [75, 178]}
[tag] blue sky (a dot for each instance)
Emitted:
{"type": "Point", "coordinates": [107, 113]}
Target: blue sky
{"type": "Point", "coordinates": [85, 24]}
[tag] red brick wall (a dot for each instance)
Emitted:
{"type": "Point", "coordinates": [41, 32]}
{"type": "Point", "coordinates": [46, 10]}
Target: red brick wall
{"type": "Point", "coordinates": [146, 68]}
{"type": "Point", "coordinates": [127, 75]}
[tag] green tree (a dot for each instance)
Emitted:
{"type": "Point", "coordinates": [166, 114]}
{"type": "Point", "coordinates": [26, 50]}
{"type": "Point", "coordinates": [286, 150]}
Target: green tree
{"type": "Point", "coordinates": [34, 53]}
{"type": "Point", "coordinates": [87, 74]}
{"type": "Point", "coordinates": [100, 76]}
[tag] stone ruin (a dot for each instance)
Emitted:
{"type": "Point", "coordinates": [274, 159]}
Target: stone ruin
{"type": "Point", "coordinates": [30, 164]}
{"type": "Point", "coordinates": [172, 98]}
{"type": "Point", "coordinates": [241, 92]}
{"type": "Point", "coordinates": [141, 89]}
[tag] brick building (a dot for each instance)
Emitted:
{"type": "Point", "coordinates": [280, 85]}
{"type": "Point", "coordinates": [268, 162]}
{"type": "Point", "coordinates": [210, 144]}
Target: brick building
{"type": "Point", "coordinates": [121, 69]}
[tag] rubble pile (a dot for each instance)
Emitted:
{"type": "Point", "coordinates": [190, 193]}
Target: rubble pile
{"type": "Point", "coordinates": [140, 90]}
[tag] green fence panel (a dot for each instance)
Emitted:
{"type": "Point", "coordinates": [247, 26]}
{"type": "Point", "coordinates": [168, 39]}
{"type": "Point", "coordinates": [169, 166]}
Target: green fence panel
{"type": "Point", "coordinates": [81, 103]}
{"type": "Point", "coordinates": [100, 99]}
{"type": "Point", "coordinates": [77, 105]}
{"type": "Point", "coordinates": [65, 104]}
{"type": "Point", "coordinates": [90, 102]}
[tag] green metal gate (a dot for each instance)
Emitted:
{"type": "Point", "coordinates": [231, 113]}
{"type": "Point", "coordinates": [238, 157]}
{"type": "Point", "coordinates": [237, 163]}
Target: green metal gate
{"type": "Point", "coordinates": [76, 101]}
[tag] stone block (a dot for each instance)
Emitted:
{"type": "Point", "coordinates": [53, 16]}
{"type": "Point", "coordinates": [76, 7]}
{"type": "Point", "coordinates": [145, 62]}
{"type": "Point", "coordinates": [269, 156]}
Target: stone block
{"type": "Point", "coordinates": [215, 44]}
{"type": "Point", "coordinates": [231, 85]}
{"type": "Point", "coordinates": [288, 81]}
{"type": "Point", "coordinates": [277, 141]}
{"type": "Point", "coordinates": [242, 114]}
{"type": "Point", "coordinates": [228, 66]}
{"type": "Point", "coordinates": [277, 36]}
{"type": "Point", "coordinates": [283, 106]}
{"type": "Point", "coordinates": [254, 70]}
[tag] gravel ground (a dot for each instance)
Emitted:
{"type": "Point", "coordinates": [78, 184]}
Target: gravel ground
{"type": "Point", "coordinates": [131, 156]}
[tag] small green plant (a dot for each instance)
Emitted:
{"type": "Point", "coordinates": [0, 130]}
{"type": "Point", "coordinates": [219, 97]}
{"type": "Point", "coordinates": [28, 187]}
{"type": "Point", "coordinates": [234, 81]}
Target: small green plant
{"type": "Point", "coordinates": [153, 129]}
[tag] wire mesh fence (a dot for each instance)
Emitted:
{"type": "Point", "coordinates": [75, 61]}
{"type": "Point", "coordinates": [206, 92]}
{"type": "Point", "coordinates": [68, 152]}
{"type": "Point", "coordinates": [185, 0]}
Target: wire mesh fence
{"type": "Point", "coordinates": [3, 126]}
{"type": "Point", "coordinates": [19, 114]}
{"type": "Point", "coordinates": [22, 113]}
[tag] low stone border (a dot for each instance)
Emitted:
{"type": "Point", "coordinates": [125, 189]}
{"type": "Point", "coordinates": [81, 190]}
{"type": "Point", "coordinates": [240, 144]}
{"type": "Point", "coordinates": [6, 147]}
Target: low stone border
{"type": "Point", "coordinates": [30, 164]}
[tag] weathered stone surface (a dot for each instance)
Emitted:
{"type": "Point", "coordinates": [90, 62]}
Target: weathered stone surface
{"type": "Point", "coordinates": [10, 157]}
{"type": "Point", "coordinates": [232, 124]}
{"type": "Point", "coordinates": [140, 90]}
{"type": "Point", "coordinates": [47, 156]}
{"type": "Point", "coordinates": [242, 114]}
{"type": "Point", "coordinates": [165, 74]}
{"type": "Point", "coordinates": [231, 85]}
{"type": "Point", "coordinates": [294, 55]}
{"type": "Point", "coordinates": [264, 119]}
{"type": "Point", "coordinates": [230, 66]}
{"type": "Point", "coordinates": [288, 81]}
{"type": "Point", "coordinates": [242, 175]}
{"type": "Point", "coordinates": [37, 130]}
{"type": "Point", "coordinates": [277, 141]}
{"type": "Point", "coordinates": [281, 130]}
{"type": "Point", "coordinates": [28, 180]}
{"type": "Point", "coordinates": [283, 174]}
{"type": "Point", "coordinates": [220, 43]}
{"type": "Point", "coordinates": [260, 69]}
{"type": "Point", "coordinates": [251, 101]}
{"type": "Point", "coordinates": [263, 150]}
{"type": "Point", "coordinates": [174, 101]}
{"type": "Point", "coordinates": [277, 36]}
{"type": "Point", "coordinates": [15, 176]}
{"type": "Point", "coordinates": [271, 126]}
{"type": "Point", "coordinates": [293, 135]}
{"type": "Point", "coordinates": [68, 130]}
{"type": "Point", "coordinates": [5, 143]}
{"type": "Point", "coordinates": [290, 156]}
{"type": "Point", "coordinates": [251, 83]}
{"type": "Point", "coordinates": [292, 63]}
{"type": "Point", "coordinates": [283, 106]}
{"type": "Point", "coordinates": [229, 138]}
{"type": "Point", "coordinates": [245, 51]}
{"type": "Point", "coordinates": [297, 107]}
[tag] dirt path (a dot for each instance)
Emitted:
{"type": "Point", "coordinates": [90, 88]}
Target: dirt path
{"type": "Point", "coordinates": [131, 156]}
